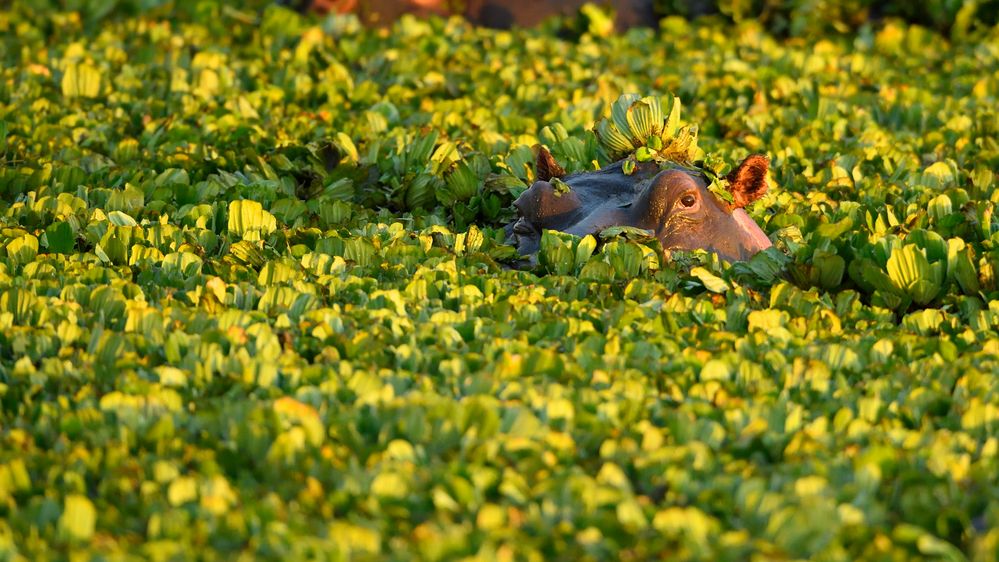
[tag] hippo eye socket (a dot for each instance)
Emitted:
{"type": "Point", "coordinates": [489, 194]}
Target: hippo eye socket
{"type": "Point", "coordinates": [688, 200]}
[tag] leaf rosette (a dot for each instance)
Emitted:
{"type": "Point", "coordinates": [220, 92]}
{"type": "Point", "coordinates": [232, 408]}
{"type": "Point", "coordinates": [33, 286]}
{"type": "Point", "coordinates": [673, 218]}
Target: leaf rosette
{"type": "Point", "coordinates": [640, 129]}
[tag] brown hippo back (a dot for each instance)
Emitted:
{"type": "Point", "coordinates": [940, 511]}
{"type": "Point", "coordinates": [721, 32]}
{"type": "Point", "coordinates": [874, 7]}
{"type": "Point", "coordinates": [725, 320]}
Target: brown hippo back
{"type": "Point", "coordinates": [489, 13]}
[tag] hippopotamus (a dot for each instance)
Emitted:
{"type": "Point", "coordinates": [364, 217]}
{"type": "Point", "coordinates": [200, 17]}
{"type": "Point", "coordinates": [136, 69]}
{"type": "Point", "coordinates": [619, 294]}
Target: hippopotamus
{"type": "Point", "coordinates": [674, 203]}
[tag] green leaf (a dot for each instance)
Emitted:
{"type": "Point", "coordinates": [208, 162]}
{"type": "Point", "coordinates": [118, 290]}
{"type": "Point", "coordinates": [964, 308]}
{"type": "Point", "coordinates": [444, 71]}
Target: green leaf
{"type": "Point", "coordinates": [389, 485]}
{"type": "Point", "coordinates": [599, 21]}
{"type": "Point", "coordinates": [672, 118]}
{"type": "Point", "coordinates": [926, 321]}
{"type": "Point", "coordinates": [79, 518]}
{"type": "Point", "coordinates": [182, 490]}
{"type": "Point", "coordinates": [719, 187]}
{"type": "Point", "coordinates": [556, 254]}
{"type": "Point", "coordinates": [619, 114]}
{"type": "Point", "coordinates": [615, 142]}
{"type": "Point", "coordinates": [23, 249]}
{"type": "Point", "coordinates": [461, 184]}
{"type": "Point", "coordinates": [346, 146]}
{"type": "Point", "coordinates": [767, 265]}
{"type": "Point", "coordinates": [560, 187]}
{"type": "Point", "coordinates": [710, 281]}
{"type": "Point", "coordinates": [248, 253]}
{"type": "Point", "coordinates": [910, 271]}
{"type": "Point", "coordinates": [961, 267]}
{"type": "Point", "coordinates": [932, 244]}
{"type": "Point", "coordinates": [933, 546]}
{"type": "Point", "coordinates": [420, 150]}
{"type": "Point", "coordinates": [445, 157]}
{"type": "Point", "coordinates": [249, 220]}
{"type": "Point", "coordinates": [360, 251]}
{"type": "Point", "coordinates": [118, 218]}
{"type": "Point", "coordinates": [833, 231]}
{"type": "Point", "coordinates": [982, 178]}
{"type": "Point", "coordinates": [940, 207]}
{"type": "Point", "coordinates": [81, 80]}
{"type": "Point", "coordinates": [597, 270]}
{"type": "Point", "coordinates": [584, 249]}
{"type": "Point", "coordinates": [830, 268]}
{"type": "Point", "coordinates": [645, 118]}
{"type": "Point", "coordinates": [627, 258]}
{"type": "Point", "coordinates": [939, 175]}
{"type": "Point", "coordinates": [339, 190]}
{"type": "Point", "coordinates": [715, 370]}
{"type": "Point", "coordinates": [335, 213]}
{"type": "Point", "coordinates": [630, 514]}
{"type": "Point", "coordinates": [628, 233]}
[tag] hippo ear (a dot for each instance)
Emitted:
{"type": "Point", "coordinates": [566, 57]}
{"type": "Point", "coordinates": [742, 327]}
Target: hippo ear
{"type": "Point", "coordinates": [547, 167]}
{"type": "Point", "coordinates": [748, 182]}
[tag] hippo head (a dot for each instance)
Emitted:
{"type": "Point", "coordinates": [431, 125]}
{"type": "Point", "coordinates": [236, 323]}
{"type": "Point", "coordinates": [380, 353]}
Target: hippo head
{"type": "Point", "coordinates": [675, 204]}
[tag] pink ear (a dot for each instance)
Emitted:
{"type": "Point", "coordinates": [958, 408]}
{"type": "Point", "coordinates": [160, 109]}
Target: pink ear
{"type": "Point", "coordinates": [748, 182]}
{"type": "Point", "coordinates": [547, 167]}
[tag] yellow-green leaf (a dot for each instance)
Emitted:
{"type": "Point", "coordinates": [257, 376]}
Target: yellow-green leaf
{"type": "Point", "coordinates": [249, 220]}
{"type": "Point", "coordinates": [81, 80]}
{"type": "Point", "coordinates": [79, 518]}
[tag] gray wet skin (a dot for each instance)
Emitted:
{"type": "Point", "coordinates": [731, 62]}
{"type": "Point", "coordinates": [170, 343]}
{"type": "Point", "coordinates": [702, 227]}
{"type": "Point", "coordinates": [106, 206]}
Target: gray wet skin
{"type": "Point", "coordinates": [675, 204]}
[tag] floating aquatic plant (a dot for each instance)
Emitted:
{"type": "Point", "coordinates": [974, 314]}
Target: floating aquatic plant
{"type": "Point", "coordinates": [640, 129]}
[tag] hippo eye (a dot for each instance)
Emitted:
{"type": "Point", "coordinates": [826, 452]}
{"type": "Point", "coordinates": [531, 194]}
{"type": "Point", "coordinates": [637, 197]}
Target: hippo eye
{"type": "Point", "coordinates": [688, 200]}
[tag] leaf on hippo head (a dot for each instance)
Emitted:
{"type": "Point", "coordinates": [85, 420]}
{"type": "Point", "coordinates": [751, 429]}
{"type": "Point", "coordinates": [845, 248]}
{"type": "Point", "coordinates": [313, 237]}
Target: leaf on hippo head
{"type": "Point", "coordinates": [682, 147]}
{"type": "Point", "coordinates": [673, 119]}
{"type": "Point", "coordinates": [640, 123]}
{"type": "Point", "coordinates": [619, 112]}
{"type": "Point", "coordinates": [720, 188]}
{"type": "Point", "coordinates": [559, 187]}
{"type": "Point", "coordinates": [614, 141]}
{"type": "Point", "coordinates": [645, 118]}
{"type": "Point", "coordinates": [718, 184]}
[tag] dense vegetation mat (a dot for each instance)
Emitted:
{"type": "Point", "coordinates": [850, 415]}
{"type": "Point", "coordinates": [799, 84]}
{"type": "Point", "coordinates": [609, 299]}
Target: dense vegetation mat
{"type": "Point", "coordinates": [254, 299]}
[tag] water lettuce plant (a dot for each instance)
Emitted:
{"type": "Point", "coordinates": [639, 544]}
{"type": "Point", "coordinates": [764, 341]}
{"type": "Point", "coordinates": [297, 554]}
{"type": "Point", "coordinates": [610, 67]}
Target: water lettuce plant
{"type": "Point", "coordinates": [255, 301]}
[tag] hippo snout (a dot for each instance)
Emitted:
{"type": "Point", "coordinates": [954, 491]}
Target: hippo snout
{"type": "Point", "coordinates": [544, 206]}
